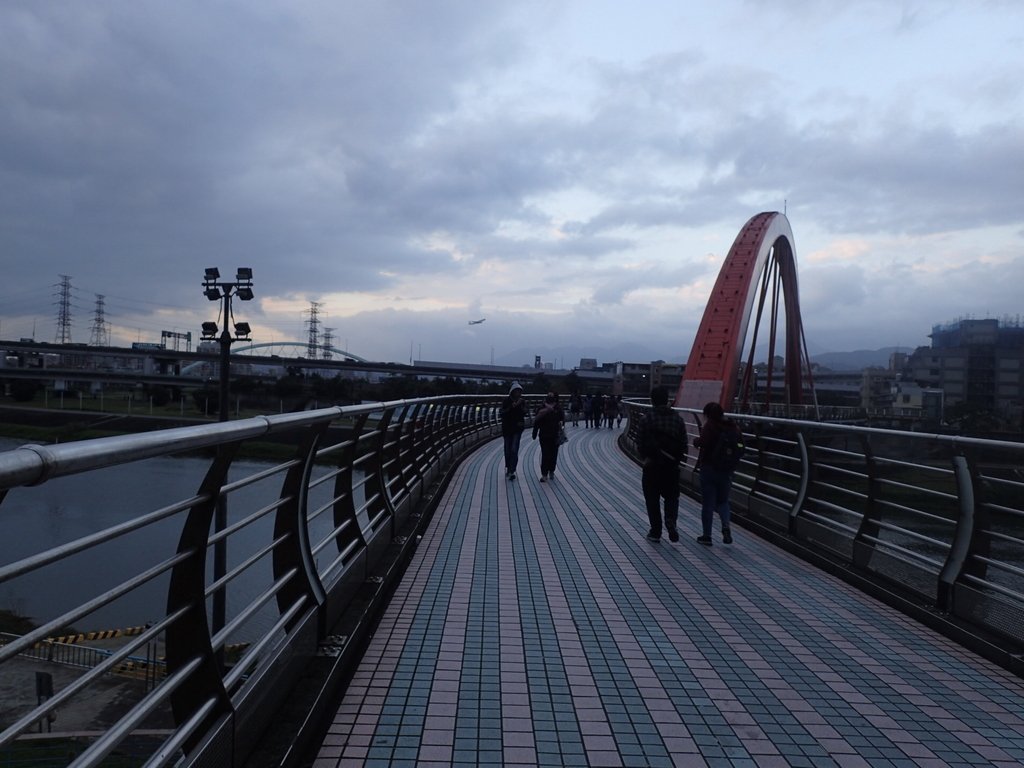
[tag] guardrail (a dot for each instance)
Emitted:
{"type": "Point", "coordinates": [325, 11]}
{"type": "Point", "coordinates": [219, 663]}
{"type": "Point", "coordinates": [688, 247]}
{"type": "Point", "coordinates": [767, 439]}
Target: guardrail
{"type": "Point", "coordinates": [270, 578]}
{"type": "Point", "coordinates": [259, 566]}
{"type": "Point", "coordinates": [936, 521]}
{"type": "Point", "coordinates": [146, 668]}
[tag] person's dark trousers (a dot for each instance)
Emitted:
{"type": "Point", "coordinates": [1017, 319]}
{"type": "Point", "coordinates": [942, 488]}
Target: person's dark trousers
{"type": "Point", "coordinates": [661, 481]}
{"type": "Point", "coordinates": [512, 450]}
{"type": "Point", "coordinates": [548, 454]}
{"type": "Point", "coordinates": [714, 493]}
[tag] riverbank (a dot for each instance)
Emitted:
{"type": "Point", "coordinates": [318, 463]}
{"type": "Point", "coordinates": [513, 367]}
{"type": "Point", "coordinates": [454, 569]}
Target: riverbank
{"type": "Point", "coordinates": [47, 427]}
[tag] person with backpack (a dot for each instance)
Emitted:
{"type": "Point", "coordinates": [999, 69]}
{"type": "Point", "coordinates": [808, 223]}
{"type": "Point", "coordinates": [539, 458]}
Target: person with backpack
{"type": "Point", "coordinates": [721, 448]}
{"type": "Point", "coordinates": [661, 443]}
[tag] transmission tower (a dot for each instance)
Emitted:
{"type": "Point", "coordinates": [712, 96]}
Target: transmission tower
{"type": "Point", "coordinates": [63, 335]}
{"type": "Point", "coordinates": [313, 344]}
{"type": "Point", "coordinates": [328, 343]}
{"type": "Point", "coordinates": [100, 334]}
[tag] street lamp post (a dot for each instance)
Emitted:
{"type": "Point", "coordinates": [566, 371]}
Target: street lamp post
{"type": "Point", "coordinates": [216, 289]}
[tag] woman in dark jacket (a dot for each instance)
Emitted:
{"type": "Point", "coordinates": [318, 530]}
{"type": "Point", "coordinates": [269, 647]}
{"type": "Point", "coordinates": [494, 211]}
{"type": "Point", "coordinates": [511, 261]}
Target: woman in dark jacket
{"type": "Point", "coordinates": [715, 482]}
{"type": "Point", "coordinates": [513, 421]}
{"type": "Point", "coordinates": [548, 423]}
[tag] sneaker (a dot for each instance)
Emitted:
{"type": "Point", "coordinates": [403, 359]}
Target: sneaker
{"type": "Point", "coordinates": [652, 536]}
{"type": "Point", "coordinates": [705, 540]}
{"type": "Point", "coordinates": [543, 478]}
{"type": "Point", "coordinates": [726, 536]}
{"type": "Point", "coordinates": [673, 535]}
{"type": "Point", "coordinates": [512, 476]}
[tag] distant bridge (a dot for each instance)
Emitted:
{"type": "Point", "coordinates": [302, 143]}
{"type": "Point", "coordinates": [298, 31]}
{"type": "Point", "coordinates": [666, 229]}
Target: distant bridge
{"type": "Point", "coordinates": [303, 345]}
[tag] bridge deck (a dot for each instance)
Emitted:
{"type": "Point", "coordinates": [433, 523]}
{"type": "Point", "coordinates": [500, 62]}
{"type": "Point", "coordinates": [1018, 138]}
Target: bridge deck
{"type": "Point", "coordinates": [537, 626]}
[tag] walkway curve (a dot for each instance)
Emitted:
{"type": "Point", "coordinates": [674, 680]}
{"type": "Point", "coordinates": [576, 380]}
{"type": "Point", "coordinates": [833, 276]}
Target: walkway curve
{"type": "Point", "coordinates": [536, 626]}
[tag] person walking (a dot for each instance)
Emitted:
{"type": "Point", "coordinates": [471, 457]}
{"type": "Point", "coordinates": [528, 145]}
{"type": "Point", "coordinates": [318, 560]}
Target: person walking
{"type": "Point", "coordinates": [661, 443]}
{"type": "Point", "coordinates": [513, 422]}
{"type": "Point", "coordinates": [716, 463]}
{"type": "Point", "coordinates": [548, 424]}
{"type": "Point", "coordinates": [575, 406]}
{"type": "Point", "coordinates": [588, 409]}
{"type": "Point", "coordinates": [611, 410]}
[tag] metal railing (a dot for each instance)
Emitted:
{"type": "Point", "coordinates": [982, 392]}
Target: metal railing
{"type": "Point", "coordinates": [244, 577]}
{"type": "Point", "coordinates": [938, 518]}
{"type": "Point", "coordinates": [258, 564]}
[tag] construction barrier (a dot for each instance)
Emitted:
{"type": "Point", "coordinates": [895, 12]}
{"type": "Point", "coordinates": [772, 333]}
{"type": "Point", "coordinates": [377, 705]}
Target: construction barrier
{"type": "Point", "coordinates": [99, 634]}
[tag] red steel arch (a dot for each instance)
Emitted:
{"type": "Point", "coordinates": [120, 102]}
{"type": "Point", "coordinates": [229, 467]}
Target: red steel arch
{"type": "Point", "coordinates": [762, 252]}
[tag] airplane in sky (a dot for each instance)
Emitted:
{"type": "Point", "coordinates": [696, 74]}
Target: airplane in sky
{"type": "Point", "coordinates": [477, 322]}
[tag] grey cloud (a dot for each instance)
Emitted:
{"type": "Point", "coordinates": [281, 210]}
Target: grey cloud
{"type": "Point", "coordinates": [325, 143]}
{"type": "Point", "coordinates": [613, 285]}
{"type": "Point", "coordinates": [191, 131]}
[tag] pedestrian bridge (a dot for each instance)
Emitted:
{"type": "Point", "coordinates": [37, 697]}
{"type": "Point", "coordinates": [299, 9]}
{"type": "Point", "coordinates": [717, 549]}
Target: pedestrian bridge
{"type": "Point", "coordinates": [380, 594]}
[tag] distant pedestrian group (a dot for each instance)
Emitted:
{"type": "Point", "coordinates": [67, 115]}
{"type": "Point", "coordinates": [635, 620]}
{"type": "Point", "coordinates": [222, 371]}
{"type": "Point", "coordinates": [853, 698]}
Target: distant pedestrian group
{"type": "Point", "coordinates": [601, 411]}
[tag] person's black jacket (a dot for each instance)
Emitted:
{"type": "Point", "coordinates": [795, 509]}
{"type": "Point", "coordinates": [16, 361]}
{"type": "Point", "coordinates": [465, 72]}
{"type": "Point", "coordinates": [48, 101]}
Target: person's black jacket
{"type": "Point", "coordinates": [548, 423]}
{"type": "Point", "coordinates": [513, 415]}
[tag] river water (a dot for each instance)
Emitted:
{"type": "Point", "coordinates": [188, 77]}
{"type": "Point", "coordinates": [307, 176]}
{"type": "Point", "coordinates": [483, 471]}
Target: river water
{"type": "Point", "coordinates": [62, 510]}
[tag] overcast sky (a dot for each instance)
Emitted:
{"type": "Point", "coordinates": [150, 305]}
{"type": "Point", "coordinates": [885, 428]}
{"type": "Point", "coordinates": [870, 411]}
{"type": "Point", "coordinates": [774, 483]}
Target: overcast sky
{"type": "Point", "coordinates": [574, 172]}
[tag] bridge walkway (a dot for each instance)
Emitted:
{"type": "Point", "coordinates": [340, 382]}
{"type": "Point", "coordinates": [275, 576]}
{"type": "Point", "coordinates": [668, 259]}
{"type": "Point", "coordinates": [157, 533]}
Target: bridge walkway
{"type": "Point", "coordinates": [537, 626]}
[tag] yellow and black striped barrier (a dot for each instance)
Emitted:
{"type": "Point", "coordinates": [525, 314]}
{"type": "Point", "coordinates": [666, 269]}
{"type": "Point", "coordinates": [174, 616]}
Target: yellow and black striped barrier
{"type": "Point", "coordinates": [99, 634]}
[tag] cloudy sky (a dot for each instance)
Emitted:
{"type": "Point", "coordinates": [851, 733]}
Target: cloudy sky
{"type": "Point", "coordinates": [573, 171]}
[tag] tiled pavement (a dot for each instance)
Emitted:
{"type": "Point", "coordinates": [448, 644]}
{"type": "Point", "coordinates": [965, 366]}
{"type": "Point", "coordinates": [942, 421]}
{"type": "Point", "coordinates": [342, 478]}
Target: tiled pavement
{"type": "Point", "coordinates": [537, 626]}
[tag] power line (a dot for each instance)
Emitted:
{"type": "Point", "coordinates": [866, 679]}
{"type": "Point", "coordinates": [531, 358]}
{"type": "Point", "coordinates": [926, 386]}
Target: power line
{"type": "Point", "coordinates": [63, 334]}
{"type": "Point", "coordinates": [313, 343]}
{"type": "Point", "coordinates": [100, 335]}
{"type": "Point", "coordinates": [328, 343]}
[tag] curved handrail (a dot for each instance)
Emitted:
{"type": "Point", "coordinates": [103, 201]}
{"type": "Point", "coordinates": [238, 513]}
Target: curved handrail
{"type": "Point", "coordinates": [289, 546]}
{"type": "Point", "coordinates": [261, 563]}
{"type": "Point", "coordinates": [939, 518]}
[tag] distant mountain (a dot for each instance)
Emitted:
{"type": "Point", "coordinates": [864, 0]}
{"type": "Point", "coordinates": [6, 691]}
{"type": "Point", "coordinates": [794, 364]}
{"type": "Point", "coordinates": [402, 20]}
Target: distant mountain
{"type": "Point", "coordinates": [858, 359]}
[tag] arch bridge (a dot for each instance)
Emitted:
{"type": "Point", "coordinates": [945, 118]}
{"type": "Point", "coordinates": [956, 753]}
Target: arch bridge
{"type": "Point", "coordinates": [757, 282]}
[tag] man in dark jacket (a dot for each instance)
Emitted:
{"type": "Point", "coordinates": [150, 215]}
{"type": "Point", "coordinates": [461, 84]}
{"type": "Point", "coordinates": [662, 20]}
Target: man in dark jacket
{"type": "Point", "coordinates": [662, 445]}
{"type": "Point", "coordinates": [548, 424]}
{"type": "Point", "coordinates": [513, 422]}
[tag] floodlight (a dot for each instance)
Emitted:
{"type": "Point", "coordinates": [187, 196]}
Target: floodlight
{"type": "Point", "coordinates": [244, 293]}
{"type": "Point", "coordinates": [212, 273]}
{"type": "Point", "coordinates": [244, 273]}
{"type": "Point", "coordinates": [242, 329]}
{"type": "Point", "coordinates": [212, 293]}
{"type": "Point", "coordinates": [209, 330]}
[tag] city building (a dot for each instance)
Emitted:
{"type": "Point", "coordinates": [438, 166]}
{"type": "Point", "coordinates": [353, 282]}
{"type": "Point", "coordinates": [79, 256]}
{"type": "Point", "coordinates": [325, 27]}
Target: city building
{"type": "Point", "coordinates": [978, 365]}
